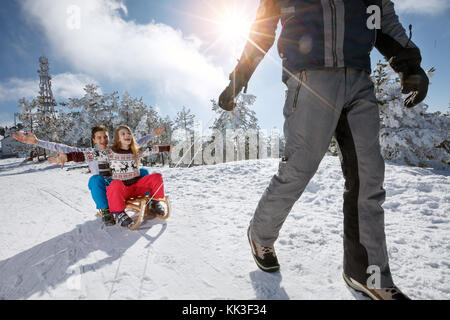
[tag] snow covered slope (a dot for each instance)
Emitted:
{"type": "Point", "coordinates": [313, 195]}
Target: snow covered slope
{"type": "Point", "coordinates": [53, 247]}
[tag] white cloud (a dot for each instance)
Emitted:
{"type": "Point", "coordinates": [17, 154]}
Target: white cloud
{"type": "Point", "coordinates": [105, 46]}
{"type": "Point", "coordinates": [422, 6]}
{"type": "Point", "coordinates": [14, 89]}
{"type": "Point", "coordinates": [69, 85]}
{"type": "Point", "coordinates": [64, 85]}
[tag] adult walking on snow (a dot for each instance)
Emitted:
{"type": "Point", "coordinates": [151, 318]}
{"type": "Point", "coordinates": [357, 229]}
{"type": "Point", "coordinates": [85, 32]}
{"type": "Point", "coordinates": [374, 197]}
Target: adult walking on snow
{"type": "Point", "coordinates": [325, 47]}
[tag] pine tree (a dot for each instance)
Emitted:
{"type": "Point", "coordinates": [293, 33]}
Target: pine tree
{"type": "Point", "coordinates": [93, 109]}
{"type": "Point", "coordinates": [184, 120]}
{"type": "Point", "coordinates": [46, 124]}
{"type": "Point", "coordinates": [27, 113]}
{"type": "Point", "coordinates": [242, 117]}
{"type": "Point", "coordinates": [149, 121]}
{"type": "Point", "coordinates": [183, 128]}
{"type": "Point", "coordinates": [30, 122]}
{"type": "Point", "coordinates": [130, 112]}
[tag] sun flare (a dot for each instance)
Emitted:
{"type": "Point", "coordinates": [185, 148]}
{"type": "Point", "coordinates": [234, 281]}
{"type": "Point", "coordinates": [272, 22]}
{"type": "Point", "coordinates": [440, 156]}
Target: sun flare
{"type": "Point", "coordinates": [233, 25]}
{"type": "Point", "coordinates": [227, 26]}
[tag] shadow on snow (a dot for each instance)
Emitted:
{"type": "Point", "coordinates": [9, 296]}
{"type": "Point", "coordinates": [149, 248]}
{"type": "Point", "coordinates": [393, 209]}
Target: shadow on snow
{"type": "Point", "coordinates": [52, 262]}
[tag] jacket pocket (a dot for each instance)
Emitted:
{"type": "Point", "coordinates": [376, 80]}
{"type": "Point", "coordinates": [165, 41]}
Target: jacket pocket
{"type": "Point", "coordinates": [300, 79]}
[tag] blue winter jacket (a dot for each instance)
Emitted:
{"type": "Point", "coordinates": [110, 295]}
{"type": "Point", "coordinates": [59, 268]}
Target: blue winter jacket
{"type": "Point", "coordinates": [322, 33]}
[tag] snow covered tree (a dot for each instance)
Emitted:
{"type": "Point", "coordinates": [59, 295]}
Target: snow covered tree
{"type": "Point", "coordinates": [46, 124]}
{"type": "Point", "coordinates": [67, 128]}
{"type": "Point", "coordinates": [184, 119]}
{"type": "Point", "coordinates": [165, 139]}
{"type": "Point", "coordinates": [242, 117]}
{"type": "Point", "coordinates": [130, 112]}
{"type": "Point", "coordinates": [30, 122]}
{"type": "Point", "coordinates": [27, 113]}
{"type": "Point", "coordinates": [409, 135]}
{"type": "Point", "coordinates": [93, 109]}
{"type": "Point", "coordinates": [183, 128]}
{"type": "Point", "coordinates": [149, 121]}
{"type": "Point", "coordinates": [239, 127]}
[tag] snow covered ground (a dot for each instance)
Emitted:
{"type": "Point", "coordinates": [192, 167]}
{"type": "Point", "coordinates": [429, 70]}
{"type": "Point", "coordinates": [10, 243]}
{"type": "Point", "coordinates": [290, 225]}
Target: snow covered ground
{"type": "Point", "coordinates": [52, 246]}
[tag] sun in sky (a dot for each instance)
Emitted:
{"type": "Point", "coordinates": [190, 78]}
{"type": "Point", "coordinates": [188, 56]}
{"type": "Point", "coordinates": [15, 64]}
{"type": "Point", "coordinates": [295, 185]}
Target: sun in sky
{"type": "Point", "coordinates": [233, 25]}
{"type": "Point", "coordinates": [226, 24]}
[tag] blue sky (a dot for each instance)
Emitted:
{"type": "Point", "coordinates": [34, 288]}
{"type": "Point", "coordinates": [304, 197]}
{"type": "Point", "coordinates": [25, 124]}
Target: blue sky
{"type": "Point", "coordinates": [172, 52]}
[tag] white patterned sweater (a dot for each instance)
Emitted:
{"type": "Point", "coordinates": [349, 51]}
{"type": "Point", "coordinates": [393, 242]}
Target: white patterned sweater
{"type": "Point", "coordinates": [121, 162]}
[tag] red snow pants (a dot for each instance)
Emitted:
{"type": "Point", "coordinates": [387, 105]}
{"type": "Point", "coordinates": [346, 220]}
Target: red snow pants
{"type": "Point", "coordinates": [117, 192]}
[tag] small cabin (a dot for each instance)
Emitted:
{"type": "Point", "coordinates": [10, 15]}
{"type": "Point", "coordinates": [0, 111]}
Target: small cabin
{"type": "Point", "coordinates": [10, 147]}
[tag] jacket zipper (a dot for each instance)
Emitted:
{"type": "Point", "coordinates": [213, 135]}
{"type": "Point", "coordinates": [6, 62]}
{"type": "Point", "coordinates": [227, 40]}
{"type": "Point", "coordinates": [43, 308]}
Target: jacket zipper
{"type": "Point", "coordinates": [334, 27]}
{"type": "Point", "coordinates": [302, 78]}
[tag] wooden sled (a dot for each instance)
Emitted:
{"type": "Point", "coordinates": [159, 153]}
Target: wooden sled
{"type": "Point", "coordinates": [140, 209]}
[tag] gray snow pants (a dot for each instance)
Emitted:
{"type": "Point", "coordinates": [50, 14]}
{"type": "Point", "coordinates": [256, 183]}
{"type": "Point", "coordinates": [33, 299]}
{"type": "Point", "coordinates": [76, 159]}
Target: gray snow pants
{"type": "Point", "coordinates": [321, 103]}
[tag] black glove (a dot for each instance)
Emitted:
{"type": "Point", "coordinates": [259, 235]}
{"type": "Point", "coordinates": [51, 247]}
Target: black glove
{"type": "Point", "coordinates": [228, 96]}
{"type": "Point", "coordinates": [413, 78]}
{"type": "Point", "coordinates": [417, 83]}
